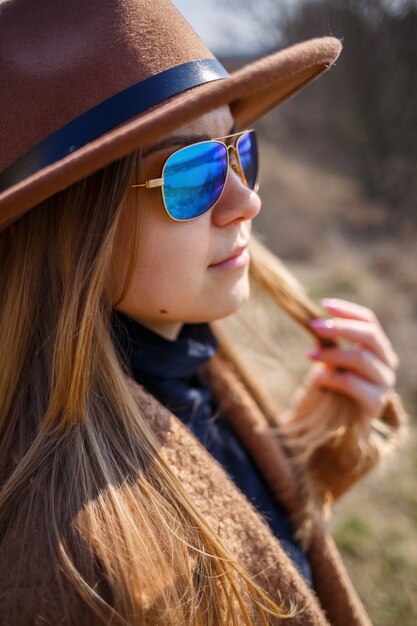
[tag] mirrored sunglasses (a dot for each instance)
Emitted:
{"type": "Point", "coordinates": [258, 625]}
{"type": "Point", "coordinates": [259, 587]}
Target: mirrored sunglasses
{"type": "Point", "coordinates": [193, 178]}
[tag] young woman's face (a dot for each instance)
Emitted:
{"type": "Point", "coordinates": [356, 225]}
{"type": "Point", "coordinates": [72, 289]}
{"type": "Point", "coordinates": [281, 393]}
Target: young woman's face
{"type": "Point", "coordinates": [179, 274]}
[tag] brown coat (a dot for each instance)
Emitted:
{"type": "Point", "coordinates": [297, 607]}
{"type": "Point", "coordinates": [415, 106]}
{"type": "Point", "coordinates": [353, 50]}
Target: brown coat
{"type": "Point", "coordinates": [240, 527]}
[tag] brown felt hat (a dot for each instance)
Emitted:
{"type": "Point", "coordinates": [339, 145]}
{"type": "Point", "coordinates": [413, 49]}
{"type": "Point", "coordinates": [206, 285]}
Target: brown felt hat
{"type": "Point", "coordinates": [85, 82]}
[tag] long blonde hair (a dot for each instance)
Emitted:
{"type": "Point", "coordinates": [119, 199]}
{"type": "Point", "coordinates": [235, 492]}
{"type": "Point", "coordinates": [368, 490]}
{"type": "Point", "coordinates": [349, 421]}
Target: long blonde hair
{"type": "Point", "coordinates": [81, 478]}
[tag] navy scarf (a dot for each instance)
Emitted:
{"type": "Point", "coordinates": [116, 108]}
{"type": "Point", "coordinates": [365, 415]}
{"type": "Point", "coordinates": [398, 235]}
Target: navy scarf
{"type": "Point", "coordinates": [171, 371]}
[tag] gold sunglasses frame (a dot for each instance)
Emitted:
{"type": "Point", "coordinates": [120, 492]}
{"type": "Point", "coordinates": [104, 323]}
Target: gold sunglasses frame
{"type": "Point", "coordinates": [233, 161]}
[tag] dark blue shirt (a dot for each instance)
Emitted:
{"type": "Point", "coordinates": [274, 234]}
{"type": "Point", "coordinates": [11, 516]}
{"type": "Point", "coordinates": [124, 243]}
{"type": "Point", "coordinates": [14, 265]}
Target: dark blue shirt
{"type": "Point", "coordinates": [171, 371]}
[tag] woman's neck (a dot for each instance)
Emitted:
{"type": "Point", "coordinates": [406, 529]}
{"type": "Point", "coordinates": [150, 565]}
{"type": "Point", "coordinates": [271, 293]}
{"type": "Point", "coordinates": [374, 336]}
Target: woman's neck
{"type": "Point", "coordinates": [168, 330]}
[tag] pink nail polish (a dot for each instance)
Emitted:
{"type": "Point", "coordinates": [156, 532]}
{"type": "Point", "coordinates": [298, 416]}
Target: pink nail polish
{"type": "Point", "coordinates": [328, 302]}
{"type": "Point", "coordinates": [313, 354]}
{"type": "Point", "coordinates": [322, 324]}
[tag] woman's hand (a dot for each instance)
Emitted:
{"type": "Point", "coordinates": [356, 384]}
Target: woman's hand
{"type": "Point", "coordinates": [363, 368]}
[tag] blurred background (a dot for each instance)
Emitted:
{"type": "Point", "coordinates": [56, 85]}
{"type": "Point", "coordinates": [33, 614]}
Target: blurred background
{"type": "Point", "coordinates": [339, 188]}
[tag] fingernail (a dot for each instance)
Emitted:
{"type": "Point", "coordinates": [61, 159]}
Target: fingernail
{"type": "Point", "coordinates": [322, 324]}
{"type": "Point", "coordinates": [328, 302]}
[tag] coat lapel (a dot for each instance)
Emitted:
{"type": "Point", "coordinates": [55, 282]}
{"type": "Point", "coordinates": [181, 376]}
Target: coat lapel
{"type": "Point", "coordinates": [240, 527]}
{"type": "Point", "coordinates": [331, 581]}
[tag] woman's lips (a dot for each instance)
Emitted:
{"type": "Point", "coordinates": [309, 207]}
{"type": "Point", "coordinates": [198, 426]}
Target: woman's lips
{"type": "Point", "coordinates": [238, 259]}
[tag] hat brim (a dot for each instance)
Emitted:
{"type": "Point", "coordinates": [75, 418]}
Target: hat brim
{"type": "Point", "coordinates": [250, 92]}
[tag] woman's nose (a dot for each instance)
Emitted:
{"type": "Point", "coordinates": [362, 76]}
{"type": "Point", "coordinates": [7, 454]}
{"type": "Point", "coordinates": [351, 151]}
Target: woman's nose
{"type": "Point", "coordinates": [237, 202]}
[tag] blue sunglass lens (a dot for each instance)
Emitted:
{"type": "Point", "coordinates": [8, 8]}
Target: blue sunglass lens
{"type": "Point", "coordinates": [247, 148]}
{"type": "Point", "coordinates": [194, 178]}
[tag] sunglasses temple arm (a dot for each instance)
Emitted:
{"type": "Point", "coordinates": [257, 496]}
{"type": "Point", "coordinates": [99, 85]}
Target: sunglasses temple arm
{"type": "Point", "coordinates": [150, 184]}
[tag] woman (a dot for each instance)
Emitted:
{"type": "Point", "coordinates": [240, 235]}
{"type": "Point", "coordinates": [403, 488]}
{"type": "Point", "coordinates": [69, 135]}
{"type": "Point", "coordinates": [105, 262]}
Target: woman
{"type": "Point", "coordinates": [125, 234]}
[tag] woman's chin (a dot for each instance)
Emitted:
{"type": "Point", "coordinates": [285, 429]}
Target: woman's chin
{"type": "Point", "coordinates": [229, 303]}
